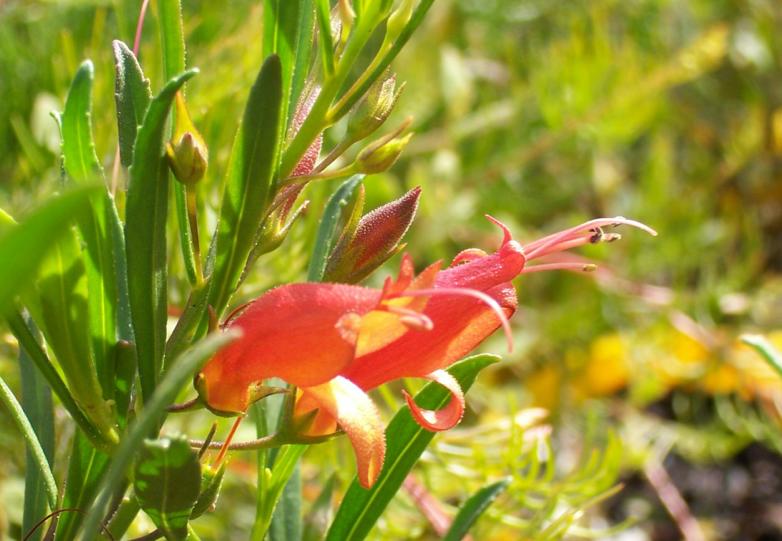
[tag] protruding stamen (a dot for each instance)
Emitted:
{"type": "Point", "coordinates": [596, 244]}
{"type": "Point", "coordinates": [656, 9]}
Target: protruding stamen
{"type": "Point", "coordinates": [411, 318]}
{"type": "Point", "coordinates": [556, 241]}
{"type": "Point", "coordinates": [597, 235]}
{"type": "Point", "coordinates": [578, 267]}
{"type": "Point", "coordinates": [465, 292]}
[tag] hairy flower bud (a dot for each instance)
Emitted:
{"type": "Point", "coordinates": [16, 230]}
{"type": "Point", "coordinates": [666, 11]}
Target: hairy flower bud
{"type": "Point", "coordinates": [307, 162]}
{"type": "Point", "coordinates": [374, 240]}
{"type": "Point", "coordinates": [187, 152]}
{"type": "Point", "coordinates": [373, 110]}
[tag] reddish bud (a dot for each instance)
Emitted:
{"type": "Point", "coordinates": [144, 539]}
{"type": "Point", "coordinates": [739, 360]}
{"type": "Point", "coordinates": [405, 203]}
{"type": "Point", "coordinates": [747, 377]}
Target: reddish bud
{"type": "Point", "coordinates": [375, 240]}
{"type": "Point", "coordinates": [309, 159]}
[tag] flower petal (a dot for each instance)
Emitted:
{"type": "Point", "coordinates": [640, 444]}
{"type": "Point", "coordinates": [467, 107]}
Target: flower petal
{"type": "Point", "coordinates": [444, 418]}
{"type": "Point", "coordinates": [357, 415]}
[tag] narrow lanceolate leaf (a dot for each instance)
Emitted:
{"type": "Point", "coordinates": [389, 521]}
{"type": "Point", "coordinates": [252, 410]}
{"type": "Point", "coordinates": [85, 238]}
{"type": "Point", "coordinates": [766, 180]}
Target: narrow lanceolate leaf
{"type": "Point", "coordinates": [333, 214]}
{"type": "Point", "coordinates": [406, 440]}
{"type": "Point", "coordinates": [40, 462]}
{"type": "Point", "coordinates": [473, 508]}
{"type": "Point", "coordinates": [34, 351]}
{"type": "Point", "coordinates": [145, 236]}
{"type": "Point", "coordinates": [132, 95]}
{"type": "Point", "coordinates": [27, 244]}
{"type": "Point", "coordinates": [37, 406]}
{"type": "Point", "coordinates": [78, 149]}
{"type": "Point", "coordinates": [172, 38]}
{"type": "Point", "coordinates": [150, 417]}
{"type": "Point", "coordinates": [58, 302]}
{"type": "Point", "coordinates": [172, 44]}
{"type": "Point", "coordinates": [167, 483]}
{"type": "Point", "coordinates": [86, 467]}
{"type": "Point", "coordinates": [287, 32]}
{"type": "Point", "coordinates": [82, 166]}
{"type": "Point", "coordinates": [249, 182]}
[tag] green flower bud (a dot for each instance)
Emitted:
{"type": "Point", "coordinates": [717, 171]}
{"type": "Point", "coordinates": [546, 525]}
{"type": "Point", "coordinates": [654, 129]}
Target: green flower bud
{"type": "Point", "coordinates": [187, 152]}
{"type": "Point", "coordinates": [380, 155]}
{"type": "Point", "coordinates": [373, 110]}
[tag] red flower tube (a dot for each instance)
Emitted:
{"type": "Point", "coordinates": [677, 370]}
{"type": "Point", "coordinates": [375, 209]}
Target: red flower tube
{"type": "Point", "coordinates": [335, 342]}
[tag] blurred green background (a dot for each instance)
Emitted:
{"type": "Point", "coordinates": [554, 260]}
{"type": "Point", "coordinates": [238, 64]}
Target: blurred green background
{"type": "Point", "coordinates": [543, 114]}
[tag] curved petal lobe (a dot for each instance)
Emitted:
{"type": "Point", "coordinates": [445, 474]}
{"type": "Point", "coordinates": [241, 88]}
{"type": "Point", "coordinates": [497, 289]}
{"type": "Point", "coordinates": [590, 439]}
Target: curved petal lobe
{"type": "Point", "coordinates": [357, 415]}
{"type": "Point", "coordinates": [444, 418]}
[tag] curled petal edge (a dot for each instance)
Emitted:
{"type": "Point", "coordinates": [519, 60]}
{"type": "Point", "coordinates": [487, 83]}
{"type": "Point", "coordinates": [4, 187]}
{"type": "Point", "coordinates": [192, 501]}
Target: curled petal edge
{"type": "Point", "coordinates": [445, 418]}
{"type": "Point", "coordinates": [357, 415]}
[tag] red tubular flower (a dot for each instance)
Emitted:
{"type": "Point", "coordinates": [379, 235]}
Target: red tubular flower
{"type": "Point", "coordinates": [335, 342]}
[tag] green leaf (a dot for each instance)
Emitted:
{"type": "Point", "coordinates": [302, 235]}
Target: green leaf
{"type": "Point", "coordinates": [286, 519]}
{"type": "Point", "coordinates": [37, 355]}
{"type": "Point", "coordinates": [132, 96]}
{"type": "Point", "coordinates": [286, 25]}
{"type": "Point", "coordinates": [86, 467]}
{"type": "Point", "coordinates": [37, 406]}
{"type": "Point", "coordinates": [319, 516]}
{"type": "Point", "coordinates": [325, 42]}
{"type": "Point", "coordinates": [249, 181]}
{"type": "Point", "coordinates": [766, 350]}
{"type": "Point", "coordinates": [145, 236]}
{"type": "Point", "coordinates": [327, 231]}
{"type": "Point", "coordinates": [81, 164]}
{"type": "Point", "coordinates": [167, 482]}
{"type": "Point", "coordinates": [58, 302]}
{"type": "Point", "coordinates": [27, 244]}
{"type": "Point", "coordinates": [405, 440]}
{"type": "Point", "coordinates": [172, 37]}
{"type": "Point", "coordinates": [474, 508]}
{"type": "Point", "coordinates": [33, 445]}
{"type": "Point", "coordinates": [148, 419]}
{"type": "Point", "coordinates": [172, 43]}
{"type": "Point", "coordinates": [78, 149]}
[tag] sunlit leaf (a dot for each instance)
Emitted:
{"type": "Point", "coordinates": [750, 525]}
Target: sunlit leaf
{"type": "Point", "coordinates": [167, 481]}
{"type": "Point", "coordinates": [405, 440]}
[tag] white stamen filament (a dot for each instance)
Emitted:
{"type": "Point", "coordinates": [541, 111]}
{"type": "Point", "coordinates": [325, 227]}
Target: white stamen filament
{"type": "Point", "coordinates": [465, 292]}
{"type": "Point", "coordinates": [534, 249]}
{"type": "Point", "coordinates": [562, 246]}
{"type": "Point", "coordinates": [579, 267]}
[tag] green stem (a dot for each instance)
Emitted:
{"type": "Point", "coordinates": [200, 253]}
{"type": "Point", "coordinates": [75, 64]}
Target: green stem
{"type": "Point", "coordinates": [317, 121]}
{"type": "Point", "coordinates": [122, 519]}
{"type": "Point", "coordinates": [284, 465]}
{"type": "Point", "coordinates": [342, 172]}
{"type": "Point", "coordinates": [192, 217]}
{"type": "Point", "coordinates": [377, 67]}
{"type": "Point", "coordinates": [7, 397]}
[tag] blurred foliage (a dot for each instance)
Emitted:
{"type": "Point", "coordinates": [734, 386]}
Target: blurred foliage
{"type": "Point", "coordinates": [543, 114]}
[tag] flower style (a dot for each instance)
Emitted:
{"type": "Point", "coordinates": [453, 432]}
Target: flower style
{"type": "Point", "coordinates": [336, 342]}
